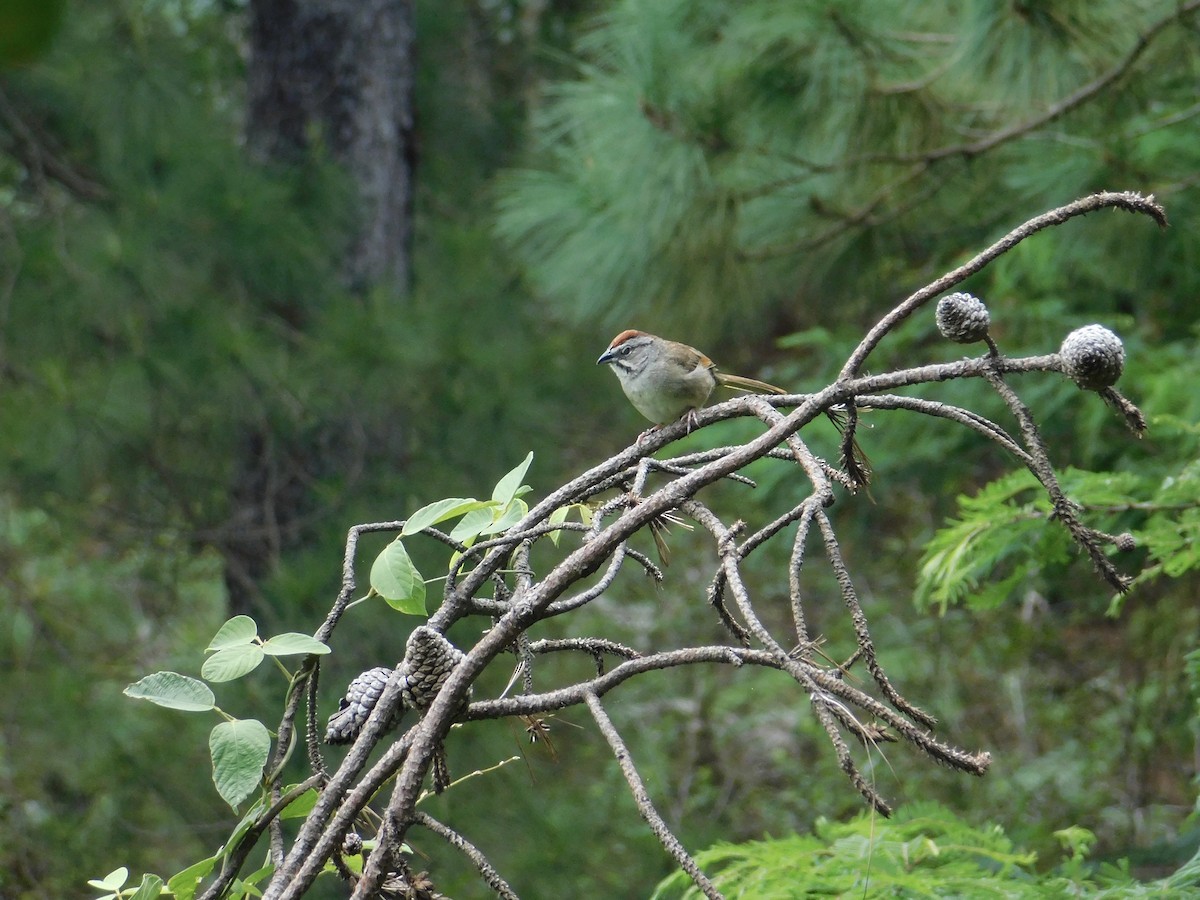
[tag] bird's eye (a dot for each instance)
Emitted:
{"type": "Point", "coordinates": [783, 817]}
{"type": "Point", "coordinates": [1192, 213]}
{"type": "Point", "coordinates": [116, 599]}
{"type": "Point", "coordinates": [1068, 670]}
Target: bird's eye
{"type": "Point", "coordinates": [624, 351]}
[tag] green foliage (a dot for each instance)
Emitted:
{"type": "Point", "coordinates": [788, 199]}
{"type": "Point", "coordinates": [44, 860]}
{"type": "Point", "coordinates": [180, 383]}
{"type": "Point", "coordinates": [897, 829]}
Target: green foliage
{"type": "Point", "coordinates": [923, 851]}
{"type": "Point", "coordinates": [237, 649]}
{"type": "Point", "coordinates": [706, 164]}
{"type": "Point", "coordinates": [394, 576]}
{"type": "Point", "coordinates": [174, 691]}
{"type": "Point", "coordinates": [1004, 538]}
{"type": "Point", "coordinates": [239, 748]}
{"type": "Point", "coordinates": [239, 751]}
{"type": "Point", "coordinates": [712, 163]}
{"type": "Point", "coordinates": [114, 882]}
{"type": "Point", "coordinates": [83, 780]}
{"type": "Point", "coordinates": [26, 28]}
{"type": "Point", "coordinates": [179, 304]}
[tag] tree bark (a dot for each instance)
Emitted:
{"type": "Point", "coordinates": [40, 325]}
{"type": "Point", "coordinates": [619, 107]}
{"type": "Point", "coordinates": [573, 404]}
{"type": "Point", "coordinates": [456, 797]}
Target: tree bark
{"type": "Point", "coordinates": [340, 73]}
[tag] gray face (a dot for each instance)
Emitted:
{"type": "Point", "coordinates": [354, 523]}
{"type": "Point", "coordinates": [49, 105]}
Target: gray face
{"type": "Point", "coordinates": [628, 357]}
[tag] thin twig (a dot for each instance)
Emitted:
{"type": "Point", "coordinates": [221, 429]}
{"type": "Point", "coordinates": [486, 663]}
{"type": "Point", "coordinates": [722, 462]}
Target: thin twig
{"type": "Point", "coordinates": [642, 798]}
{"type": "Point", "coordinates": [470, 851]}
{"type": "Point", "coordinates": [863, 636]}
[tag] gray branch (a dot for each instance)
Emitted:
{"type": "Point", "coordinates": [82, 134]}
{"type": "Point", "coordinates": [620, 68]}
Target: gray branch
{"type": "Point", "coordinates": [522, 596]}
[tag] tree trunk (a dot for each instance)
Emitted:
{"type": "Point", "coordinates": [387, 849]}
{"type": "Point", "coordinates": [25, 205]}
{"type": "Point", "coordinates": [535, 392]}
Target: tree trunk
{"type": "Point", "coordinates": [341, 73]}
{"type": "Point", "coordinates": [335, 76]}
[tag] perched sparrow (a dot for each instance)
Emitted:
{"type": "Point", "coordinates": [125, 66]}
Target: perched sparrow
{"type": "Point", "coordinates": [666, 380]}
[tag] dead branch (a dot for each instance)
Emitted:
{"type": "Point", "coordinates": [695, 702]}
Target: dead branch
{"type": "Point", "coordinates": [501, 579]}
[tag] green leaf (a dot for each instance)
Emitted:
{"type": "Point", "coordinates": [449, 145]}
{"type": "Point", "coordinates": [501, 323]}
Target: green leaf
{"type": "Point", "coordinates": [510, 485]}
{"type": "Point", "coordinates": [557, 518]}
{"type": "Point", "coordinates": [183, 883]}
{"type": "Point", "coordinates": [353, 863]}
{"type": "Point", "coordinates": [255, 877]}
{"type": "Point", "coordinates": [237, 631]}
{"type": "Point", "coordinates": [396, 580]}
{"type": "Point", "coordinates": [412, 605]}
{"type": "Point", "coordinates": [239, 753]}
{"type": "Point", "coordinates": [253, 811]}
{"type": "Point", "coordinates": [292, 642]}
{"type": "Point", "coordinates": [512, 514]}
{"type": "Point", "coordinates": [113, 881]}
{"type": "Point", "coordinates": [473, 524]}
{"type": "Point", "coordinates": [232, 662]}
{"type": "Point", "coordinates": [440, 511]}
{"type": "Point", "coordinates": [174, 691]}
{"type": "Point", "coordinates": [150, 888]}
{"type": "Point", "coordinates": [301, 806]}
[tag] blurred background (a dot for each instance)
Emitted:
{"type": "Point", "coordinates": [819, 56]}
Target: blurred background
{"type": "Point", "coordinates": [269, 268]}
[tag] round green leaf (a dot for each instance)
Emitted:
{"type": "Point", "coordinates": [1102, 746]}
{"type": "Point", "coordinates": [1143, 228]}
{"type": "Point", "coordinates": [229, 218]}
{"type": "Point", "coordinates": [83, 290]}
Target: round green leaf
{"type": "Point", "coordinates": [292, 643]}
{"type": "Point", "coordinates": [237, 631]}
{"type": "Point", "coordinates": [239, 752]}
{"type": "Point", "coordinates": [232, 662]}
{"type": "Point", "coordinates": [174, 691]}
{"type": "Point", "coordinates": [113, 881]}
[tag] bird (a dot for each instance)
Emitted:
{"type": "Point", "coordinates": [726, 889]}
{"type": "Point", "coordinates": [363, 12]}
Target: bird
{"type": "Point", "coordinates": [666, 381]}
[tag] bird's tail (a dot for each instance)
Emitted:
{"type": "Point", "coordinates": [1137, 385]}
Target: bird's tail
{"type": "Point", "coordinates": [741, 383]}
{"type": "Point", "coordinates": [854, 460]}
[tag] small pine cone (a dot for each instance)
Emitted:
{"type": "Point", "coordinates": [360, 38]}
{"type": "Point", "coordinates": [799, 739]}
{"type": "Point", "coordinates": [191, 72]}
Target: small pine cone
{"type": "Point", "coordinates": [352, 844]}
{"type": "Point", "coordinates": [361, 697]}
{"type": "Point", "coordinates": [962, 318]}
{"type": "Point", "coordinates": [1093, 357]}
{"type": "Point", "coordinates": [428, 660]}
{"type": "Point", "coordinates": [1125, 542]}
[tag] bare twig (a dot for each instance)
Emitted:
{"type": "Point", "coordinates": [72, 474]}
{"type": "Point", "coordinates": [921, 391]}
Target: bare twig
{"type": "Point", "coordinates": [642, 797]}
{"type": "Point", "coordinates": [470, 851]}
{"type": "Point", "coordinates": [850, 596]}
{"type": "Point", "coordinates": [1043, 470]}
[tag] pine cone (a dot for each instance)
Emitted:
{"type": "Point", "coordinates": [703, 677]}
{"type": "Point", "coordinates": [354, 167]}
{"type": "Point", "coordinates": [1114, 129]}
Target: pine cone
{"type": "Point", "coordinates": [361, 697]}
{"type": "Point", "coordinates": [1093, 357]}
{"type": "Point", "coordinates": [428, 661]}
{"type": "Point", "coordinates": [962, 318]}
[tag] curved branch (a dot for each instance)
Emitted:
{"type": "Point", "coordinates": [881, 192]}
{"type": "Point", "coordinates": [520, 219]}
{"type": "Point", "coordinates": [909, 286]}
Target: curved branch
{"type": "Point", "coordinates": [1129, 201]}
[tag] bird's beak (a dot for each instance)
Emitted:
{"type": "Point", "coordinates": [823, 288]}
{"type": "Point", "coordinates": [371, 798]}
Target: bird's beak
{"type": "Point", "coordinates": [605, 357]}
